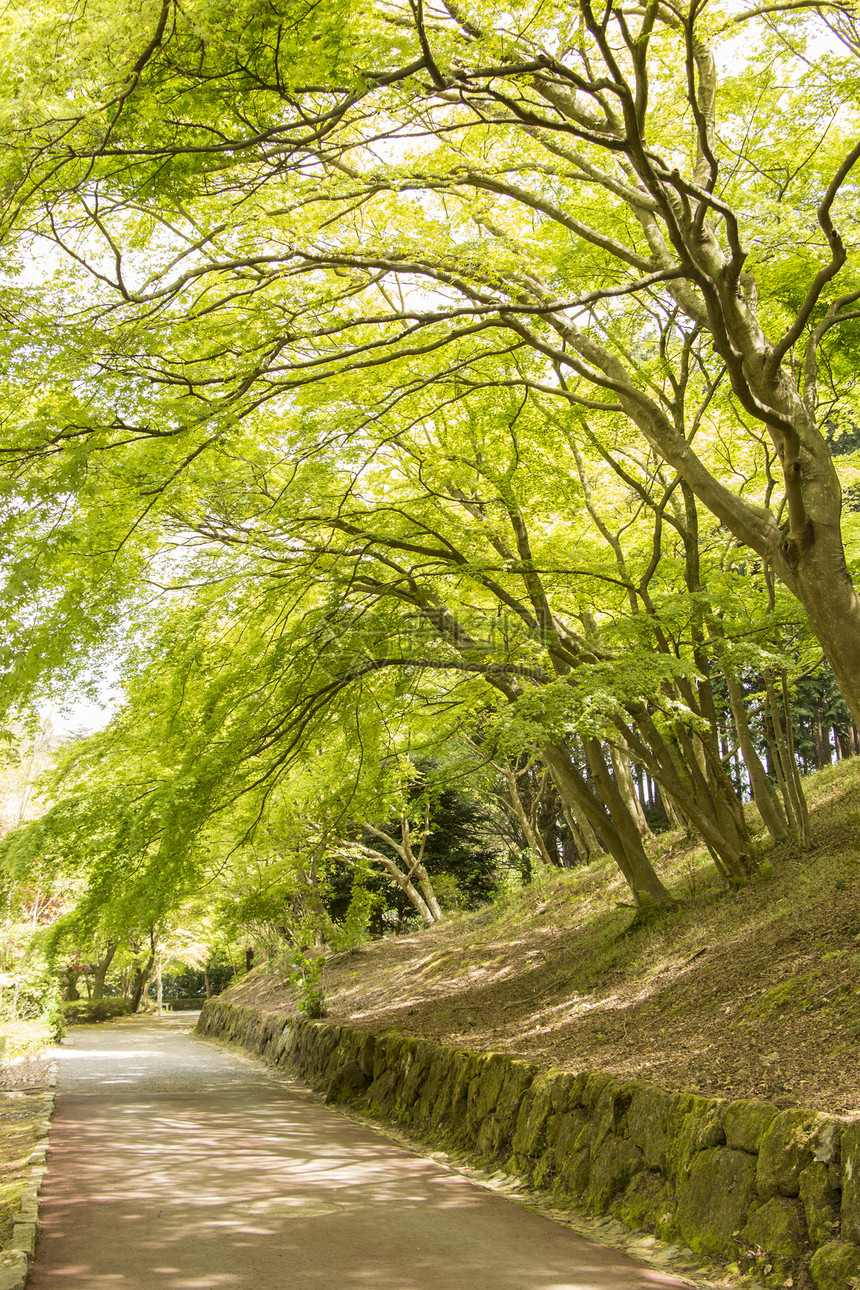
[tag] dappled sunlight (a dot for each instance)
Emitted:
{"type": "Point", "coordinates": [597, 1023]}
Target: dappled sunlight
{"type": "Point", "coordinates": [247, 1183]}
{"type": "Point", "coordinates": [733, 993]}
{"type": "Point", "coordinates": [65, 1055]}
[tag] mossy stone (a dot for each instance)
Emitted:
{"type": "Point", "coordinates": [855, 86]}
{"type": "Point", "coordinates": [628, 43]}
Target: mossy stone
{"type": "Point", "coordinates": [529, 1137]}
{"type": "Point", "coordinates": [485, 1089]}
{"type": "Point", "coordinates": [564, 1096]}
{"type": "Point", "coordinates": [592, 1088]}
{"type": "Point", "coordinates": [851, 1182]}
{"type": "Point", "coordinates": [789, 1145]}
{"type": "Point", "coordinates": [431, 1088]}
{"type": "Point", "coordinates": [572, 1174]}
{"type": "Point", "coordinates": [835, 1266]}
{"type": "Point", "coordinates": [417, 1062]}
{"type": "Point", "coordinates": [698, 1124]}
{"type": "Point", "coordinates": [381, 1094]}
{"type": "Point", "coordinates": [716, 1198]}
{"type": "Point", "coordinates": [646, 1199]}
{"type": "Point", "coordinates": [648, 1119]}
{"type": "Point", "coordinates": [335, 1061]}
{"type": "Point", "coordinates": [493, 1138]}
{"type": "Point", "coordinates": [454, 1107]}
{"type": "Point", "coordinates": [440, 1107]}
{"type": "Point", "coordinates": [612, 1167]}
{"type": "Point", "coordinates": [778, 1230]}
{"type": "Point", "coordinates": [577, 1088]}
{"type": "Point", "coordinates": [821, 1202]}
{"type": "Point", "coordinates": [544, 1172]}
{"type": "Point", "coordinates": [746, 1123]}
{"type": "Point", "coordinates": [348, 1084]}
{"type": "Point", "coordinates": [380, 1055]}
{"type": "Point", "coordinates": [365, 1054]}
{"type": "Point", "coordinates": [563, 1130]}
{"type": "Point", "coordinates": [608, 1112]}
{"type": "Point", "coordinates": [518, 1080]}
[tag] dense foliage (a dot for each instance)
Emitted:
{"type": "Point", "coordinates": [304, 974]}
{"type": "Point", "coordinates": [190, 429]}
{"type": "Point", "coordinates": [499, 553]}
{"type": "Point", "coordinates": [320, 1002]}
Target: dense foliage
{"type": "Point", "coordinates": [392, 384]}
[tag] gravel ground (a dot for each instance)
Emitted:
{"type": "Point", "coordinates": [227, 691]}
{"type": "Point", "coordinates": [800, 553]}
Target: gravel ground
{"type": "Point", "coordinates": [31, 1071]}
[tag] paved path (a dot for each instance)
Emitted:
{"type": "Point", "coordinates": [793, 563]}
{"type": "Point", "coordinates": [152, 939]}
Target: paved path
{"type": "Point", "coordinates": [176, 1165]}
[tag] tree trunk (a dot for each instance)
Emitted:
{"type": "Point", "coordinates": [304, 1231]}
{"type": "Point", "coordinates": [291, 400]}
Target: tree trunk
{"type": "Point", "coordinates": [623, 844]}
{"type": "Point", "coordinates": [534, 841]}
{"type": "Point", "coordinates": [704, 800]}
{"type": "Point", "coordinates": [765, 798]}
{"type": "Point", "coordinates": [141, 981]}
{"type": "Point", "coordinates": [71, 994]}
{"type": "Point", "coordinates": [676, 817]}
{"type": "Point", "coordinates": [823, 586]}
{"type": "Point", "coordinates": [410, 891]}
{"type": "Point", "coordinates": [422, 898]}
{"type": "Point", "coordinates": [624, 778]}
{"type": "Point", "coordinates": [786, 768]}
{"type": "Point", "coordinates": [101, 971]}
{"type": "Point", "coordinates": [142, 975]}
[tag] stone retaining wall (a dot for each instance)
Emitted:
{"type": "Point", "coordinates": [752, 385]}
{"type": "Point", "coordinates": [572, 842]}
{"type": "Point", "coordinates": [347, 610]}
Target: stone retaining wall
{"type": "Point", "coordinates": [776, 1191]}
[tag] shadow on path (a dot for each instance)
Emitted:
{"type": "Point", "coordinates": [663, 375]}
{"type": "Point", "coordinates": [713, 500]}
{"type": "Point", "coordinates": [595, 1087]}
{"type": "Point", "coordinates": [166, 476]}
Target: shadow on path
{"type": "Point", "coordinates": [178, 1166]}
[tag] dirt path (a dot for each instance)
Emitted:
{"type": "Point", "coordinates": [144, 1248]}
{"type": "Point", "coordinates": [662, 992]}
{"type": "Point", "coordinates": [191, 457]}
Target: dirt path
{"type": "Point", "coordinates": [178, 1166]}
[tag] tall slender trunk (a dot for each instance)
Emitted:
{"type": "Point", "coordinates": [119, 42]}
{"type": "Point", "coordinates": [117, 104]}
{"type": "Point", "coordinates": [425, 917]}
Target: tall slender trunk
{"type": "Point", "coordinates": [142, 974]}
{"type": "Point", "coordinates": [764, 796]}
{"type": "Point", "coordinates": [620, 756]}
{"type": "Point", "coordinates": [623, 843]}
{"type": "Point", "coordinates": [534, 840]}
{"type": "Point", "coordinates": [704, 799]}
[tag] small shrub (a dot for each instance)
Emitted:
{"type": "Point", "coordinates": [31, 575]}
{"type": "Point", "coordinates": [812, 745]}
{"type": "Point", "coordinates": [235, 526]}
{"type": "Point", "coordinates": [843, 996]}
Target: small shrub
{"type": "Point", "coordinates": [86, 1012]}
{"type": "Point", "coordinates": [307, 978]}
{"type": "Point", "coordinates": [56, 1020]}
{"type": "Point", "coordinates": [354, 929]}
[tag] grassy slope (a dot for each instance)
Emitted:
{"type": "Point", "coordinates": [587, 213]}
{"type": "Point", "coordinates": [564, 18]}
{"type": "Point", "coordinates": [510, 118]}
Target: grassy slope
{"type": "Point", "coordinates": [749, 993]}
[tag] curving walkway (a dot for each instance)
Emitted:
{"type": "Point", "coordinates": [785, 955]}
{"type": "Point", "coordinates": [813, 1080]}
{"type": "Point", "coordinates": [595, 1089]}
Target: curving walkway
{"type": "Point", "coordinates": [175, 1165]}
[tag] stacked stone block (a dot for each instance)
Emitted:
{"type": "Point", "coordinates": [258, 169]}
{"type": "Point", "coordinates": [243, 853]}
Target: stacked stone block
{"type": "Point", "coordinates": [777, 1191]}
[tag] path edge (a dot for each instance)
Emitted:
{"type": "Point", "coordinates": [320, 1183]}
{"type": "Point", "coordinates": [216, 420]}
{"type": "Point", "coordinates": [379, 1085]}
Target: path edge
{"type": "Point", "coordinates": [16, 1256]}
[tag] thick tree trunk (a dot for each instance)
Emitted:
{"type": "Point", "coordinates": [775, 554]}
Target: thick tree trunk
{"type": "Point", "coordinates": [421, 897]}
{"type": "Point", "coordinates": [71, 993]}
{"type": "Point", "coordinates": [584, 837]}
{"type": "Point", "coordinates": [141, 981]}
{"type": "Point", "coordinates": [428, 915]}
{"type": "Point", "coordinates": [706, 800]}
{"type": "Point", "coordinates": [101, 971]}
{"type": "Point", "coordinates": [427, 890]}
{"type": "Point", "coordinates": [824, 588]}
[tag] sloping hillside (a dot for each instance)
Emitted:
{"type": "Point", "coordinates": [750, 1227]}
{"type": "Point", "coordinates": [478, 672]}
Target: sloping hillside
{"type": "Point", "coordinates": [748, 993]}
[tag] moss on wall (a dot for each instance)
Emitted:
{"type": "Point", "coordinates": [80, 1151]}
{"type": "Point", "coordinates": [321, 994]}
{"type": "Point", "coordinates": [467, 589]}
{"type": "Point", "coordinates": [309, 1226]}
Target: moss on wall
{"type": "Point", "coordinates": [777, 1192]}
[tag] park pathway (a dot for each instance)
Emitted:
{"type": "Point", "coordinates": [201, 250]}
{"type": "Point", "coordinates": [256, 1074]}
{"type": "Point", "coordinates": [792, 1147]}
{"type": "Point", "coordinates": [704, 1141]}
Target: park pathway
{"type": "Point", "coordinates": [177, 1165]}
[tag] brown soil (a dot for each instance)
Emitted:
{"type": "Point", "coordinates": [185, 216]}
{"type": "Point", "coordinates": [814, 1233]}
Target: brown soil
{"type": "Point", "coordinates": [747, 994]}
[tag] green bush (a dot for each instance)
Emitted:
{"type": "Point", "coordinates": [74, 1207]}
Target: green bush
{"type": "Point", "coordinates": [56, 1019]}
{"type": "Point", "coordinates": [307, 978]}
{"type": "Point", "coordinates": [85, 1012]}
